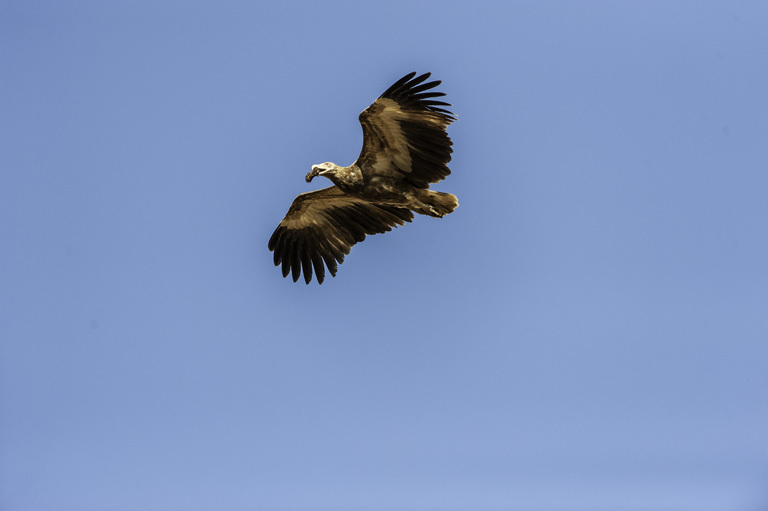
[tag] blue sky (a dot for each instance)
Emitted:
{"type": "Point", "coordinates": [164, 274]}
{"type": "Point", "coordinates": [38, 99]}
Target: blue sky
{"type": "Point", "coordinates": [589, 329]}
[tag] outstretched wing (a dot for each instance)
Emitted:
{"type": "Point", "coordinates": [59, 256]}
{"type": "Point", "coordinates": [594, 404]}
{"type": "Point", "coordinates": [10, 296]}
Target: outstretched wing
{"type": "Point", "coordinates": [404, 133]}
{"type": "Point", "coordinates": [322, 226]}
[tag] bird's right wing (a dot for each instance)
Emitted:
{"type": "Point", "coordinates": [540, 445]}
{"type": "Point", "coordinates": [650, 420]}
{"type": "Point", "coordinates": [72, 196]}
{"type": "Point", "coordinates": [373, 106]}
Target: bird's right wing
{"type": "Point", "coordinates": [322, 226]}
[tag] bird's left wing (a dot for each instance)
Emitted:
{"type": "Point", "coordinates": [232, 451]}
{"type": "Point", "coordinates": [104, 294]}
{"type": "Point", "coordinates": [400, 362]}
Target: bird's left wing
{"type": "Point", "coordinates": [322, 226]}
{"type": "Point", "coordinates": [404, 133]}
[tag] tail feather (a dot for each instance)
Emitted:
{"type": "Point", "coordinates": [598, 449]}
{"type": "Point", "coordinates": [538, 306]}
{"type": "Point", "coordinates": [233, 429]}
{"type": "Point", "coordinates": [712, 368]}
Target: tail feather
{"type": "Point", "coordinates": [439, 203]}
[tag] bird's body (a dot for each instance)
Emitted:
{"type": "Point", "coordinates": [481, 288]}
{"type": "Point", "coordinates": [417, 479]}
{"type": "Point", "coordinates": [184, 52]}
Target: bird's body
{"type": "Point", "coordinates": [391, 191]}
{"type": "Point", "coordinates": [405, 149]}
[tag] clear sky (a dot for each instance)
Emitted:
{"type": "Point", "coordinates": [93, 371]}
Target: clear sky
{"type": "Point", "coordinates": [588, 331]}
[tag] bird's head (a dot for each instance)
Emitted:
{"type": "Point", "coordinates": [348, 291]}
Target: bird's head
{"type": "Point", "coordinates": [326, 169]}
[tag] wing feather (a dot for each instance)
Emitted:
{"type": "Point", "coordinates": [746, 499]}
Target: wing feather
{"type": "Point", "coordinates": [296, 261]}
{"type": "Point", "coordinates": [404, 133]}
{"type": "Point", "coordinates": [322, 226]}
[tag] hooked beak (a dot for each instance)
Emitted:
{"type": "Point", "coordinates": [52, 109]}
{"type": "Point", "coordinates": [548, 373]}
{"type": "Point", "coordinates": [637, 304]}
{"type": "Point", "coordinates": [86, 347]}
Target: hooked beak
{"type": "Point", "coordinates": [315, 172]}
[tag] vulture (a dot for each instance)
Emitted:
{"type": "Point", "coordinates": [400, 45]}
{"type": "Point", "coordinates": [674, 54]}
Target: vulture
{"type": "Point", "coordinates": [405, 149]}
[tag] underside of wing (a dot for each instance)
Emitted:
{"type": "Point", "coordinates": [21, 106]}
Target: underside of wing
{"type": "Point", "coordinates": [404, 133]}
{"type": "Point", "coordinates": [321, 227]}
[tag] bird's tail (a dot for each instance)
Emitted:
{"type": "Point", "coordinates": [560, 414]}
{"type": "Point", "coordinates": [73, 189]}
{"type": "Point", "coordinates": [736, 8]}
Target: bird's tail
{"type": "Point", "coordinates": [439, 203]}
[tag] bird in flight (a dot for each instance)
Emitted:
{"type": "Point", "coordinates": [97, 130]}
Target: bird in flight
{"type": "Point", "coordinates": [405, 149]}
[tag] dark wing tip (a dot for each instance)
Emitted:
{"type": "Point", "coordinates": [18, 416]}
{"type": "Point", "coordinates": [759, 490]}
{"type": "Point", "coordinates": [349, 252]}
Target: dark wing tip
{"type": "Point", "coordinates": [402, 81]}
{"type": "Point", "coordinates": [411, 91]}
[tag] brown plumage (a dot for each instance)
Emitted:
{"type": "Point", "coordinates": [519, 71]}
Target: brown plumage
{"type": "Point", "coordinates": [405, 149]}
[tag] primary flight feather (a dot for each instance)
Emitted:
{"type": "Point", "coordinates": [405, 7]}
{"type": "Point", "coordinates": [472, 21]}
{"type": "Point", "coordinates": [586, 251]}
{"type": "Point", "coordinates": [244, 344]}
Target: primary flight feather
{"type": "Point", "coordinates": [405, 149]}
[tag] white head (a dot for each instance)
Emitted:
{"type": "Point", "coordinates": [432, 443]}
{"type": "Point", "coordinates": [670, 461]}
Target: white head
{"type": "Point", "coordinates": [323, 169]}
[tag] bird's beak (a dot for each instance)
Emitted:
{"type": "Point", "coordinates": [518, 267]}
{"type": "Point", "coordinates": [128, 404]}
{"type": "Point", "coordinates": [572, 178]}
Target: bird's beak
{"type": "Point", "coordinates": [310, 175]}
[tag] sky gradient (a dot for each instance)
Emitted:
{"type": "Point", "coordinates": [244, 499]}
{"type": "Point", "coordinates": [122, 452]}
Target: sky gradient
{"type": "Point", "coordinates": [588, 331]}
